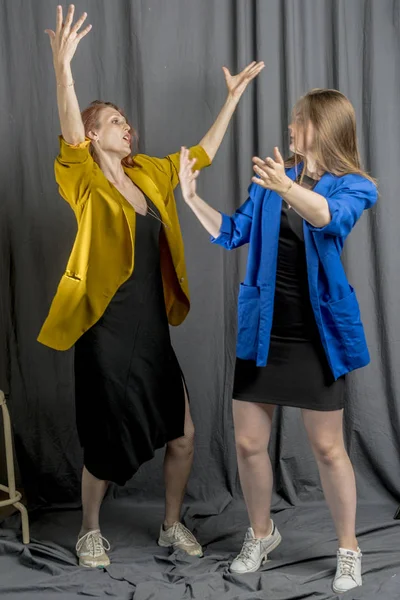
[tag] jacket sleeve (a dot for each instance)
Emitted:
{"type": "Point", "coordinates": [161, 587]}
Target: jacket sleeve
{"type": "Point", "coordinates": [74, 171]}
{"type": "Point", "coordinates": [347, 204]}
{"type": "Point", "coordinates": [235, 230]}
{"type": "Point", "coordinates": [170, 164]}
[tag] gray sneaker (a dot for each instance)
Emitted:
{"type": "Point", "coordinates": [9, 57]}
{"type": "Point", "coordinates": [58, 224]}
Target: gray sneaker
{"type": "Point", "coordinates": [255, 551]}
{"type": "Point", "coordinates": [90, 550]}
{"type": "Point", "coordinates": [178, 536]}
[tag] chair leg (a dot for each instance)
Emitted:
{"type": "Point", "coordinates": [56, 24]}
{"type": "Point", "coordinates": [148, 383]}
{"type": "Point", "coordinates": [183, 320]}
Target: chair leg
{"type": "Point", "coordinates": [10, 468]}
{"type": "Point", "coordinates": [25, 522]}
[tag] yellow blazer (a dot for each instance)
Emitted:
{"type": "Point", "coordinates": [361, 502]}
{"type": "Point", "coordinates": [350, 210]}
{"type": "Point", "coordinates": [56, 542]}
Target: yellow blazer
{"type": "Point", "coordinates": [103, 255]}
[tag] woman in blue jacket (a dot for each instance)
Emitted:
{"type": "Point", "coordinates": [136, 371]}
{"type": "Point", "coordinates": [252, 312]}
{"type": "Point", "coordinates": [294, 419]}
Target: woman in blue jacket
{"type": "Point", "coordinates": [299, 326]}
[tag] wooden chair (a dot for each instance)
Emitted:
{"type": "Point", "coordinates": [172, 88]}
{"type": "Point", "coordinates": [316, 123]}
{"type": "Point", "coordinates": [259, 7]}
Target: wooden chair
{"type": "Point", "coordinates": [14, 496]}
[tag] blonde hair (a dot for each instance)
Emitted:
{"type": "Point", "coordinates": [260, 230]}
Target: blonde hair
{"type": "Point", "coordinates": [335, 140]}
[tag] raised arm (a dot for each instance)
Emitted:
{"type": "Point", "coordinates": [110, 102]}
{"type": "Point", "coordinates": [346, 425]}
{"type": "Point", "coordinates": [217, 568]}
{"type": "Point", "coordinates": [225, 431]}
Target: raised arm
{"type": "Point", "coordinates": [236, 86]}
{"type": "Point", "coordinates": [229, 232]}
{"type": "Point", "coordinates": [64, 42]}
{"type": "Point", "coordinates": [210, 218]}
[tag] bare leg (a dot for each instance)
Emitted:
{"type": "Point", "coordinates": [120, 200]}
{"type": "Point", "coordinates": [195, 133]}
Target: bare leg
{"type": "Point", "coordinates": [325, 432]}
{"type": "Point", "coordinates": [252, 432]}
{"type": "Point", "coordinates": [93, 491]}
{"type": "Point", "coordinates": [177, 465]}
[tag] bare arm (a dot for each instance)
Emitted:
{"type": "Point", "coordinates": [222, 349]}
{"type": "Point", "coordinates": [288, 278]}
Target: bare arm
{"type": "Point", "coordinates": [236, 86]}
{"type": "Point", "coordinates": [64, 42]}
{"type": "Point", "coordinates": [309, 205]}
{"type": "Point", "coordinates": [210, 218]}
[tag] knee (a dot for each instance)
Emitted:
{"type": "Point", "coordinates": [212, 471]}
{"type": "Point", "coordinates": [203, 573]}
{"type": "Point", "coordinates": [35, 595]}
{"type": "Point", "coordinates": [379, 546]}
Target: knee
{"type": "Point", "coordinates": [248, 446]}
{"type": "Point", "coordinates": [328, 453]}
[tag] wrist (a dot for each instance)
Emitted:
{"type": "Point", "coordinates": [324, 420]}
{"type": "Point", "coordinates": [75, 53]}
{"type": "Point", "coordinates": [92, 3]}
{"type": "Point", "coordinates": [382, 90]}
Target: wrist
{"type": "Point", "coordinates": [63, 72]}
{"type": "Point", "coordinates": [232, 101]}
{"type": "Point", "coordinates": [189, 197]}
{"type": "Point", "coordinates": [286, 187]}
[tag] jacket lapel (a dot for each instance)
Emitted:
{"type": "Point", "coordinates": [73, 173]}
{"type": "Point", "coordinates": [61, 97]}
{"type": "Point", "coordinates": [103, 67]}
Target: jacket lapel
{"type": "Point", "coordinates": [149, 189]}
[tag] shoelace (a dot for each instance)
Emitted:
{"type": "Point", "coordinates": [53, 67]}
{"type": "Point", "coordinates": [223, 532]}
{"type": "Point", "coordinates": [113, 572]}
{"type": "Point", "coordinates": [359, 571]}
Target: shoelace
{"type": "Point", "coordinates": [347, 565]}
{"type": "Point", "coordinates": [247, 549]}
{"type": "Point", "coordinates": [95, 541]}
{"type": "Point", "coordinates": [183, 534]}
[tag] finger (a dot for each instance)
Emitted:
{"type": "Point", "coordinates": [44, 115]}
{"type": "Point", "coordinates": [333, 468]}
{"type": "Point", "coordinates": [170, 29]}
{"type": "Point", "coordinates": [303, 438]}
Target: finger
{"type": "Point", "coordinates": [226, 73]}
{"type": "Point", "coordinates": [259, 181]}
{"type": "Point", "coordinates": [68, 20]}
{"type": "Point", "coordinates": [264, 173]}
{"type": "Point", "coordinates": [259, 161]}
{"type": "Point", "coordinates": [254, 72]}
{"type": "Point", "coordinates": [249, 67]}
{"type": "Point", "coordinates": [271, 163]}
{"type": "Point", "coordinates": [50, 33]}
{"type": "Point", "coordinates": [83, 33]}
{"type": "Point", "coordinates": [79, 23]}
{"type": "Point", "coordinates": [278, 156]}
{"type": "Point", "coordinates": [59, 19]}
{"type": "Point", "coordinates": [258, 66]}
{"type": "Point", "coordinates": [196, 174]}
{"type": "Point", "coordinates": [185, 157]}
{"type": "Point", "coordinates": [261, 172]}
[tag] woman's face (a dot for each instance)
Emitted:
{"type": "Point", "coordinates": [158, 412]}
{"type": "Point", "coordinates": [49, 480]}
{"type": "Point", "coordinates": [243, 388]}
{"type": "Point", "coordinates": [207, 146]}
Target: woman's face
{"type": "Point", "coordinates": [112, 134]}
{"type": "Point", "coordinates": [301, 136]}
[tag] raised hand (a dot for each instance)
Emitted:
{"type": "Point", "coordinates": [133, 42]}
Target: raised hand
{"type": "Point", "coordinates": [237, 84]}
{"type": "Point", "coordinates": [65, 39]}
{"type": "Point", "coordinates": [271, 173]}
{"type": "Point", "coordinates": [187, 176]}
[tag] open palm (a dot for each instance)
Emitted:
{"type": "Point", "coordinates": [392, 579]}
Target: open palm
{"type": "Point", "coordinates": [65, 39]}
{"type": "Point", "coordinates": [237, 84]}
{"type": "Point", "coordinates": [187, 176]}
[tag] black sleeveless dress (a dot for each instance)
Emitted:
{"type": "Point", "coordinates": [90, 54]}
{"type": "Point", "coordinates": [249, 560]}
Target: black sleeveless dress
{"type": "Point", "coordinates": [297, 372]}
{"type": "Point", "coordinates": [128, 383]}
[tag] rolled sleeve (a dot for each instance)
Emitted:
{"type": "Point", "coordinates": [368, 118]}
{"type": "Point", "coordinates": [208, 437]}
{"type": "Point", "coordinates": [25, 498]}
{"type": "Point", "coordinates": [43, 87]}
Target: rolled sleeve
{"type": "Point", "coordinates": [235, 230]}
{"type": "Point", "coordinates": [70, 154]}
{"type": "Point", "coordinates": [73, 171]}
{"type": "Point", "coordinates": [347, 204]}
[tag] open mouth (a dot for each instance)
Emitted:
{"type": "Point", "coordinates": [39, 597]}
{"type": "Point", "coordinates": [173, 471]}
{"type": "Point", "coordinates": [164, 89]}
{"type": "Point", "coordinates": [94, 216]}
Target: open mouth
{"type": "Point", "coordinates": [127, 138]}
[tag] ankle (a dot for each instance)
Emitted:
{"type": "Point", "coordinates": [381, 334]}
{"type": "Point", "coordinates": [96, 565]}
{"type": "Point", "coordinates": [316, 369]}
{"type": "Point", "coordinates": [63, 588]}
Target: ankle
{"type": "Point", "coordinates": [168, 523]}
{"type": "Point", "coordinates": [84, 530]}
{"type": "Point", "coordinates": [349, 544]}
{"type": "Point", "coordinates": [264, 531]}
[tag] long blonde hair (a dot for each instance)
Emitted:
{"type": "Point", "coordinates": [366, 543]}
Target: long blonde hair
{"type": "Point", "coordinates": [335, 139]}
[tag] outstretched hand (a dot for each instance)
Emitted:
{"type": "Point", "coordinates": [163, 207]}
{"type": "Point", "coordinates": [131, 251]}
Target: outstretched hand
{"type": "Point", "coordinates": [65, 39]}
{"type": "Point", "coordinates": [187, 176]}
{"type": "Point", "coordinates": [271, 173]}
{"type": "Point", "coordinates": [237, 84]}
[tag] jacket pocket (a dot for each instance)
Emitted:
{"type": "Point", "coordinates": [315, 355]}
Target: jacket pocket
{"type": "Point", "coordinates": [248, 321]}
{"type": "Point", "coordinates": [346, 317]}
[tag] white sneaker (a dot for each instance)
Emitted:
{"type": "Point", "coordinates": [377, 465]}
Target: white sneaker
{"type": "Point", "coordinates": [91, 550]}
{"type": "Point", "coordinates": [348, 572]}
{"type": "Point", "coordinates": [255, 551]}
{"type": "Point", "coordinates": [178, 536]}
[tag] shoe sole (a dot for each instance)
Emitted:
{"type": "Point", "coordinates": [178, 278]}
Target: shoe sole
{"type": "Point", "coordinates": [263, 560]}
{"type": "Point", "coordinates": [81, 564]}
{"type": "Point", "coordinates": [339, 591]}
{"type": "Point", "coordinates": [168, 545]}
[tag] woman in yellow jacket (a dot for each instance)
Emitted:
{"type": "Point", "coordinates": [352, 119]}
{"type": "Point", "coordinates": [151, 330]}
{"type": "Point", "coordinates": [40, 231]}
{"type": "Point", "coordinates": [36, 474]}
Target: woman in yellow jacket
{"type": "Point", "coordinates": [124, 282]}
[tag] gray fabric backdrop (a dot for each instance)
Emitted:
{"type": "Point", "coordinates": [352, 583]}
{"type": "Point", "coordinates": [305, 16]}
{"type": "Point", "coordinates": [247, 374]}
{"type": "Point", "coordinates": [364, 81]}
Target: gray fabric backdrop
{"type": "Point", "coordinates": [161, 60]}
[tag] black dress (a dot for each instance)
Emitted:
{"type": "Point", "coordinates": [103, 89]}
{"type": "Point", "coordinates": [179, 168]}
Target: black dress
{"type": "Point", "coordinates": [297, 372]}
{"type": "Point", "coordinates": [128, 383]}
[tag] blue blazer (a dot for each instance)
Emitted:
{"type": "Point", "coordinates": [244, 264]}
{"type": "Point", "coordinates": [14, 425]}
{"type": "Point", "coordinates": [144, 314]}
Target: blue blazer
{"type": "Point", "coordinates": [335, 306]}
